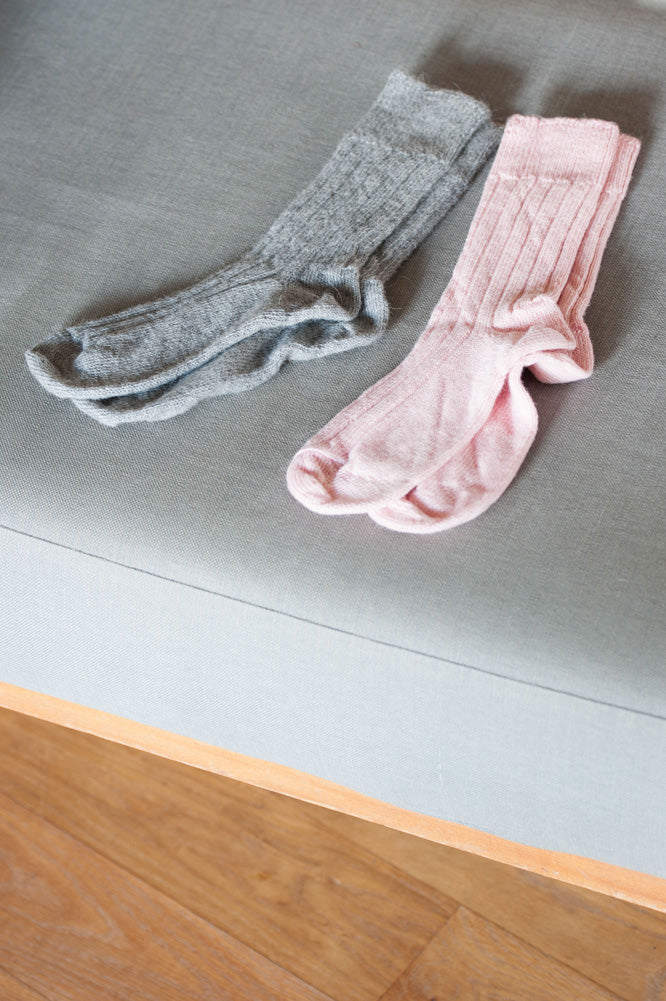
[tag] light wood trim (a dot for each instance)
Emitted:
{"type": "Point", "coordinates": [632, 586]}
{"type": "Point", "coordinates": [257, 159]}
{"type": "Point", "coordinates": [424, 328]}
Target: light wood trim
{"type": "Point", "coordinates": [625, 884]}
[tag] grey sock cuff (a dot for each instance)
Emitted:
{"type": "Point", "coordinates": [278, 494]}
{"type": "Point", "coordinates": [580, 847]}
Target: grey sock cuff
{"type": "Point", "coordinates": [413, 115]}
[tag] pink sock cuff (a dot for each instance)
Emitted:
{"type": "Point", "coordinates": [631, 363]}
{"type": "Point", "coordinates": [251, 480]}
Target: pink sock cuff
{"type": "Point", "coordinates": [623, 165]}
{"type": "Point", "coordinates": [571, 149]}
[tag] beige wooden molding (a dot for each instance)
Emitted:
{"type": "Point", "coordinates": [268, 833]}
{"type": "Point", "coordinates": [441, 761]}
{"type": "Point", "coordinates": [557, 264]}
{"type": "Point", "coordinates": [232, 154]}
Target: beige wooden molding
{"type": "Point", "coordinates": [625, 884]}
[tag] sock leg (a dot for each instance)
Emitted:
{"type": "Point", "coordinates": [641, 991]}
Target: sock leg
{"type": "Point", "coordinates": [499, 311]}
{"type": "Point", "coordinates": [473, 480]}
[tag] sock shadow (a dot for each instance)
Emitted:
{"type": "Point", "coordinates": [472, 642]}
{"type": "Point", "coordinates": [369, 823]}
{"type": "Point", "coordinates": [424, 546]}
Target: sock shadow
{"type": "Point", "coordinates": [632, 109]}
{"type": "Point", "coordinates": [407, 284]}
{"type": "Point", "coordinates": [488, 80]}
{"type": "Point", "coordinates": [107, 305]}
{"type": "Point", "coordinates": [608, 312]}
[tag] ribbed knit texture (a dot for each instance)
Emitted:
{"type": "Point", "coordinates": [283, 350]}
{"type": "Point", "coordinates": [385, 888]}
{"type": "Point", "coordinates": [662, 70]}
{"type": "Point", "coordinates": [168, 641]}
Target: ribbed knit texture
{"type": "Point", "coordinates": [473, 479]}
{"type": "Point", "coordinates": [499, 314]}
{"type": "Point", "coordinates": [259, 356]}
{"type": "Point", "coordinates": [311, 286]}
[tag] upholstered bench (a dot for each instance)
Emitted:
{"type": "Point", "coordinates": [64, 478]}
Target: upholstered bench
{"type": "Point", "coordinates": [501, 686]}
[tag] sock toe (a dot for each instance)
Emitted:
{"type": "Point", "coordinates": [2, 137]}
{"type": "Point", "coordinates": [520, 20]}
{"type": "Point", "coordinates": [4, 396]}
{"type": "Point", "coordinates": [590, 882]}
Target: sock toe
{"type": "Point", "coordinates": [421, 514]}
{"type": "Point", "coordinates": [51, 362]}
{"type": "Point", "coordinates": [311, 479]}
{"type": "Point", "coordinates": [403, 516]}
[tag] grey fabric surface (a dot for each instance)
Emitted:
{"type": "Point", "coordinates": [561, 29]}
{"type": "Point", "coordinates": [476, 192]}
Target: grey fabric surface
{"type": "Point", "coordinates": [141, 148]}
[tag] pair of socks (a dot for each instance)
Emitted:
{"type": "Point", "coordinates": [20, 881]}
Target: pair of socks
{"type": "Point", "coordinates": [313, 285]}
{"type": "Point", "coordinates": [437, 441]}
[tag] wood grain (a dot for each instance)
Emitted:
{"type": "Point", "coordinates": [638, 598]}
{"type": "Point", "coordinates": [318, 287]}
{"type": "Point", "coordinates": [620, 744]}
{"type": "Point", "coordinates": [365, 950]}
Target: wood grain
{"type": "Point", "coordinates": [12, 989]}
{"type": "Point", "coordinates": [620, 946]}
{"type": "Point", "coordinates": [474, 960]}
{"type": "Point", "coordinates": [248, 861]}
{"type": "Point", "coordinates": [127, 875]}
{"type": "Point", "coordinates": [75, 926]}
{"type": "Point", "coordinates": [625, 884]}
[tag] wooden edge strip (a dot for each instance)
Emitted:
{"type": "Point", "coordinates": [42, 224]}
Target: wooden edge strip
{"type": "Point", "coordinates": [625, 884]}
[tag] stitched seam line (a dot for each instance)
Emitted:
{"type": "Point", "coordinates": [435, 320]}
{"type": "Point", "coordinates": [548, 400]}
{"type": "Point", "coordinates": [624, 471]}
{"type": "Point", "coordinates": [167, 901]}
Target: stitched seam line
{"type": "Point", "coordinates": [338, 629]}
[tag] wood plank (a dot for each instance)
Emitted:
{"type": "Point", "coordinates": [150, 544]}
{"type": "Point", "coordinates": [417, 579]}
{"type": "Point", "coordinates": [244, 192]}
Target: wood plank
{"type": "Point", "coordinates": [75, 926]}
{"type": "Point", "coordinates": [249, 861]}
{"type": "Point", "coordinates": [618, 945]}
{"type": "Point", "coordinates": [12, 989]}
{"type": "Point", "coordinates": [471, 959]}
{"type": "Point", "coordinates": [641, 888]}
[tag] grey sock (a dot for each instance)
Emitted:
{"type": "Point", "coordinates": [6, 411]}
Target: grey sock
{"type": "Point", "coordinates": [311, 286]}
{"type": "Point", "coordinates": [259, 356]}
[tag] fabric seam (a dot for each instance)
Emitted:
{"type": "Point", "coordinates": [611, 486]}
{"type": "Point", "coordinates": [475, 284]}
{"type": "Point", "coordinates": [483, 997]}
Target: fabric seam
{"type": "Point", "coordinates": [335, 629]}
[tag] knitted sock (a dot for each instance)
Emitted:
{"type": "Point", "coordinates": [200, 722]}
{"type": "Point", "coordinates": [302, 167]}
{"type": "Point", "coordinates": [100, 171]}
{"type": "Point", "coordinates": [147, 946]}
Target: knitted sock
{"type": "Point", "coordinates": [472, 480]}
{"type": "Point", "coordinates": [500, 311]}
{"type": "Point", "coordinates": [308, 274]}
{"type": "Point", "coordinates": [258, 356]}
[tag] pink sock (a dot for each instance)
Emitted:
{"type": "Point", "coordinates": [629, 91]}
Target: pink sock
{"type": "Point", "coordinates": [466, 485]}
{"type": "Point", "coordinates": [499, 312]}
{"type": "Point", "coordinates": [473, 479]}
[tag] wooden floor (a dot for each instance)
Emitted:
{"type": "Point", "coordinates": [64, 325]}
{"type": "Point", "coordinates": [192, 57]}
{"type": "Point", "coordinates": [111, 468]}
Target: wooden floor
{"type": "Point", "coordinates": [127, 877]}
